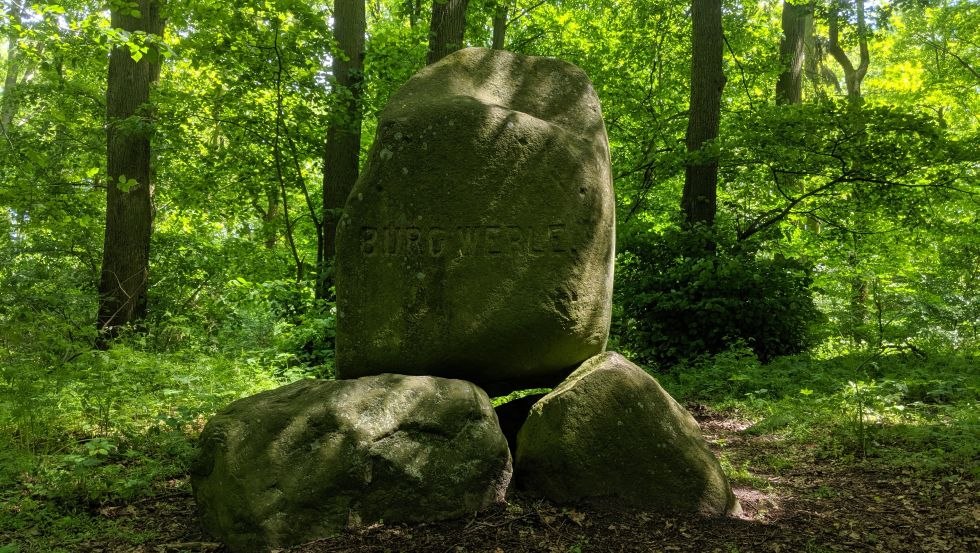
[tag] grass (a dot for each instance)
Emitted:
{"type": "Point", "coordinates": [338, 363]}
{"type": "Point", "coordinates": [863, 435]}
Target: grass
{"type": "Point", "coordinates": [739, 475]}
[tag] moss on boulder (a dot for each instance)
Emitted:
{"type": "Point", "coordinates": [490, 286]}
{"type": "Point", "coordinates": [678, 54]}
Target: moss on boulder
{"type": "Point", "coordinates": [306, 460]}
{"type": "Point", "coordinates": [610, 435]}
{"type": "Point", "coordinates": [478, 241]}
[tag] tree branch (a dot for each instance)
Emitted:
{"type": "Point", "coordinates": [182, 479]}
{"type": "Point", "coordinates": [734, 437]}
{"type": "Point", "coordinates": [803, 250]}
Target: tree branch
{"type": "Point", "coordinates": [741, 71]}
{"type": "Point", "coordinates": [961, 61]}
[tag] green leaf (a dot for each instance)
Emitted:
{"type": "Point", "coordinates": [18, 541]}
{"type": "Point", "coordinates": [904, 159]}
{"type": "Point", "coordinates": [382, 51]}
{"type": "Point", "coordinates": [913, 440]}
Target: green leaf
{"type": "Point", "coordinates": [38, 158]}
{"type": "Point", "coordinates": [125, 184]}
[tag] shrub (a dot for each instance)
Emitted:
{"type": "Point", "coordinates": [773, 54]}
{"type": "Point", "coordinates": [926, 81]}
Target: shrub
{"type": "Point", "coordinates": [684, 294]}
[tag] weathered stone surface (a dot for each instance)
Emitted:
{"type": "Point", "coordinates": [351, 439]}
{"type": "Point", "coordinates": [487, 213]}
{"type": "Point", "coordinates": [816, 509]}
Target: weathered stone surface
{"type": "Point", "coordinates": [478, 242]}
{"type": "Point", "coordinates": [303, 461]}
{"type": "Point", "coordinates": [610, 435]}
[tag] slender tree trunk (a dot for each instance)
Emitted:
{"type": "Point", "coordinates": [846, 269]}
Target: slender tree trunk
{"type": "Point", "coordinates": [792, 52]}
{"type": "Point", "coordinates": [270, 217]}
{"type": "Point", "coordinates": [277, 157]}
{"type": "Point", "coordinates": [699, 200]}
{"type": "Point", "coordinates": [414, 8]}
{"type": "Point", "coordinates": [343, 147]}
{"type": "Point", "coordinates": [499, 24]}
{"type": "Point", "coordinates": [853, 76]}
{"type": "Point", "coordinates": [446, 28]}
{"type": "Point", "coordinates": [7, 102]}
{"type": "Point", "coordinates": [129, 210]}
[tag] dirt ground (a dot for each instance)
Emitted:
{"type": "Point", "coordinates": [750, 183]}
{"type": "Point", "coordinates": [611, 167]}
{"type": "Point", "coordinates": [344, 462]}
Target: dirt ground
{"type": "Point", "coordinates": [809, 506]}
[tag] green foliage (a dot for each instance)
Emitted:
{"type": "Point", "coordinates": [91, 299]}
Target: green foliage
{"type": "Point", "coordinates": [281, 323]}
{"type": "Point", "coordinates": [681, 299]}
{"type": "Point", "coordinates": [104, 428]}
{"type": "Point", "coordinates": [900, 410]}
{"type": "Point", "coordinates": [876, 159]}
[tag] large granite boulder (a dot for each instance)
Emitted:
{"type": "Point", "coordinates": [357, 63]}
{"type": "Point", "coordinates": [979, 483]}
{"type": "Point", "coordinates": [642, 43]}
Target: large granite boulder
{"type": "Point", "coordinates": [478, 241]}
{"type": "Point", "coordinates": [303, 461]}
{"type": "Point", "coordinates": [611, 436]}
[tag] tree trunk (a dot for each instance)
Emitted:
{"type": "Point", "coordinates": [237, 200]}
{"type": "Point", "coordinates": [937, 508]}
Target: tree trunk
{"type": "Point", "coordinates": [699, 199]}
{"type": "Point", "coordinates": [270, 217]}
{"type": "Point", "coordinates": [343, 147]}
{"type": "Point", "coordinates": [129, 211]}
{"type": "Point", "coordinates": [447, 28]}
{"type": "Point", "coordinates": [7, 102]}
{"type": "Point", "coordinates": [499, 25]}
{"type": "Point", "coordinates": [813, 57]}
{"type": "Point", "coordinates": [798, 55]}
{"type": "Point", "coordinates": [414, 8]}
{"type": "Point", "coordinates": [853, 76]}
{"type": "Point", "coordinates": [792, 52]}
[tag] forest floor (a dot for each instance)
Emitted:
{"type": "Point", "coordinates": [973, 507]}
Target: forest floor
{"type": "Point", "coordinates": [792, 500]}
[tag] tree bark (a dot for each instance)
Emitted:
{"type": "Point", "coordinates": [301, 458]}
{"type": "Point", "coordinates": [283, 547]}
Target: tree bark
{"type": "Point", "coordinates": [499, 25]}
{"type": "Point", "coordinates": [796, 20]}
{"type": "Point", "coordinates": [447, 28]}
{"type": "Point", "coordinates": [7, 101]}
{"type": "Point", "coordinates": [129, 210]}
{"type": "Point", "coordinates": [813, 57]}
{"type": "Point", "coordinates": [343, 146]}
{"type": "Point", "coordinates": [798, 56]}
{"type": "Point", "coordinates": [699, 199]}
{"type": "Point", "coordinates": [270, 217]}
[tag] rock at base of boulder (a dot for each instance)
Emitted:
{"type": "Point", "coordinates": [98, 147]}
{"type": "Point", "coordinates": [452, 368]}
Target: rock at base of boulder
{"type": "Point", "coordinates": [306, 460]}
{"type": "Point", "coordinates": [609, 435]}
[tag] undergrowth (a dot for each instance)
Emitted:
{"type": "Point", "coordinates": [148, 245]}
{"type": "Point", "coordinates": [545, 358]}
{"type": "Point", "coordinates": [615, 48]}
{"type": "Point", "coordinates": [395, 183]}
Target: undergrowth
{"type": "Point", "coordinates": [898, 410]}
{"type": "Point", "coordinates": [109, 427]}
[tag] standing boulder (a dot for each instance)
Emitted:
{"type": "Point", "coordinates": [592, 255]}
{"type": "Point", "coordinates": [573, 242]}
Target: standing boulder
{"type": "Point", "coordinates": [303, 461]}
{"type": "Point", "coordinates": [610, 435]}
{"type": "Point", "coordinates": [478, 242]}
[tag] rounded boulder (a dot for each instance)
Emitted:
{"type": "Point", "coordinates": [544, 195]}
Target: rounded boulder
{"type": "Point", "coordinates": [610, 435]}
{"type": "Point", "coordinates": [308, 459]}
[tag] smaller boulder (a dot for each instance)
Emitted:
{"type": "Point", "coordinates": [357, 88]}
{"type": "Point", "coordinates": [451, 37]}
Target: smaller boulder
{"type": "Point", "coordinates": [611, 436]}
{"type": "Point", "coordinates": [304, 461]}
